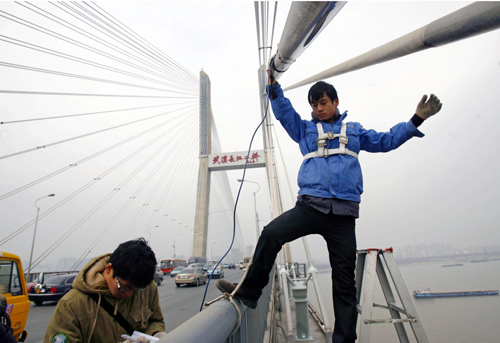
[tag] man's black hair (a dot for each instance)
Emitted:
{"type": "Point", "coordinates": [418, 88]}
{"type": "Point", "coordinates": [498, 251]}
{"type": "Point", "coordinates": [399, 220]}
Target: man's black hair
{"type": "Point", "coordinates": [317, 90]}
{"type": "Point", "coordinates": [134, 262]}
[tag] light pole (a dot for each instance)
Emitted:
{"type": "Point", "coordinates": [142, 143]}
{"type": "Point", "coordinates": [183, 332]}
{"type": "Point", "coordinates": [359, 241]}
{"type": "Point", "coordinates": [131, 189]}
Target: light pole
{"type": "Point", "coordinates": [257, 231]}
{"type": "Point", "coordinates": [34, 232]}
{"type": "Point", "coordinates": [173, 246]}
{"type": "Point", "coordinates": [149, 231]}
{"type": "Point", "coordinates": [213, 253]}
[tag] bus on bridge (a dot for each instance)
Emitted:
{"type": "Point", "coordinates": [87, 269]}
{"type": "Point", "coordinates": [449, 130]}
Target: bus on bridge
{"type": "Point", "coordinates": [168, 265]}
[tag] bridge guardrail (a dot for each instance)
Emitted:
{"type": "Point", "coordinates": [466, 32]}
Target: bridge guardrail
{"type": "Point", "coordinates": [217, 322]}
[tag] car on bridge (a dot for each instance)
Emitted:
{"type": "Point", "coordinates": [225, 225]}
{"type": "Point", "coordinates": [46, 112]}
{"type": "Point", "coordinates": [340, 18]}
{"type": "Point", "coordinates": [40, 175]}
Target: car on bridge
{"type": "Point", "coordinates": [158, 276]}
{"type": "Point", "coordinates": [195, 265]}
{"type": "Point", "coordinates": [53, 288]}
{"type": "Point", "coordinates": [217, 273]}
{"type": "Point", "coordinates": [191, 276]}
{"type": "Point", "coordinates": [176, 271]}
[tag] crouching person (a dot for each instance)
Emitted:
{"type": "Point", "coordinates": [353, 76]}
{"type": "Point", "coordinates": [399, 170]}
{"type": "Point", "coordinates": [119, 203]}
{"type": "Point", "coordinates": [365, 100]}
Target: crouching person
{"type": "Point", "coordinates": [6, 335]}
{"type": "Point", "coordinates": [114, 294]}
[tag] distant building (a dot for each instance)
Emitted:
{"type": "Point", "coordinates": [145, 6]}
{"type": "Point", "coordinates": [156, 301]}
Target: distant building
{"type": "Point", "coordinates": [249, 250]}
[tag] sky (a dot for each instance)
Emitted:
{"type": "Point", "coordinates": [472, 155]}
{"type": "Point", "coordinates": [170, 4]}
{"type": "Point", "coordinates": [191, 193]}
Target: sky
{"type": "Point", "coordinates": [440, 188]}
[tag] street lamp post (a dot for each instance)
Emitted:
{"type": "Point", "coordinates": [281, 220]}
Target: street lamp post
{"type": "Point", "coordinates": [257, 231]}
{"type": "Point", "coordinates": [34, 232]}
{"type": "Point", "coordinates": [173, 246]}
{"type": "Point", "coordinates": [213, 253]}
{"type": "Point", "coordinates": [149, 231]}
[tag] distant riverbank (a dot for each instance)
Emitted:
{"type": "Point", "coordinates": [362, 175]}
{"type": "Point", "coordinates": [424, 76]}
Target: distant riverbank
{"type": "Point", "coordinates": [323, 267]}
{"type": "Point", "coordinates": [461, 258]}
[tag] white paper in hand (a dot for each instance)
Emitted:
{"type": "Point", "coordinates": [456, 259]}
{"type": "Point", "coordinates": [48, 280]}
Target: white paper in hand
{"type": "Point", "coordinates": [137, 334]}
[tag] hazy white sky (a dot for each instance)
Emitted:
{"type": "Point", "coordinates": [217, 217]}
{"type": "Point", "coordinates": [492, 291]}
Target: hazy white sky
{"type": "Point", "coordinates": [441, 188]}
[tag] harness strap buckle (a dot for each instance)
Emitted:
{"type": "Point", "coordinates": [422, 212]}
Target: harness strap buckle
{"type": "Point", "coordinates": [321, 142]}
{"type": "Point", "coordinates": [330, 135]}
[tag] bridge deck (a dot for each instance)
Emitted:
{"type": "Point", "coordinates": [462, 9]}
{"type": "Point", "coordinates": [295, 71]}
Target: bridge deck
{"type": "Point", "coordinates": [316, 334]}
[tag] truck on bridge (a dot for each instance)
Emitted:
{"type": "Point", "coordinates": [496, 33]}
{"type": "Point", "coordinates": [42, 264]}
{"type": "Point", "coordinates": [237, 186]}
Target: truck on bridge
{"type": "Point", "coordinates": [13, 282]}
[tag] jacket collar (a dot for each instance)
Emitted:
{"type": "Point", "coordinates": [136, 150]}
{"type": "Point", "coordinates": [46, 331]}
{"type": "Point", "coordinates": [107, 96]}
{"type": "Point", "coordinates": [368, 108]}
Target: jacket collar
{"type": "Point", "coordinates": [338, 117]}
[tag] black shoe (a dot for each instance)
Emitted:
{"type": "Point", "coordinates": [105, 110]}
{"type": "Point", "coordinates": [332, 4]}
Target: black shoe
{"type": "Point", "coordinates": [228, 287]}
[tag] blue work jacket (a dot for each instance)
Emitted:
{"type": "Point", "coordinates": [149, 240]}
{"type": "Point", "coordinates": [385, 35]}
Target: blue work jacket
{"type": "Point", "coordinates": [336, 176]}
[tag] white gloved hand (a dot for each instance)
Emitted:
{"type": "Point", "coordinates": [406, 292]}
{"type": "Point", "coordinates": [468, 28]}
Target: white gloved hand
{"type": "Point", "coordinates": [160, 334]}
{"type": "Point", "coordinates": [431, 107]}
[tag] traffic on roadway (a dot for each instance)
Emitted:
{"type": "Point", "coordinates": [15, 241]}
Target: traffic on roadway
{"type": "Point", "coordinates": [178, 304]}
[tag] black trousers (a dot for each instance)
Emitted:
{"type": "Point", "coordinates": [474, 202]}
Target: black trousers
{"type": "Point", "coordinates": [339, 234]}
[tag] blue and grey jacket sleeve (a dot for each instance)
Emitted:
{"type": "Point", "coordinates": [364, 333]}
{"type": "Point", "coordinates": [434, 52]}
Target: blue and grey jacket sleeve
{"type": "Point", "coordinates": [285, 113]}
{"type": "Point", "coordinates": [373, 141]}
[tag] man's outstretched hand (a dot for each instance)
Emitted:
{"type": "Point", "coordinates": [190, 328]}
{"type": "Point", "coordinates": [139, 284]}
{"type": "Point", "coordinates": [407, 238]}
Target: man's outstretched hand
{"type": "Point", "coordinates": [270, 70]}
{"type": "Point", "coordinates": [427, 108]}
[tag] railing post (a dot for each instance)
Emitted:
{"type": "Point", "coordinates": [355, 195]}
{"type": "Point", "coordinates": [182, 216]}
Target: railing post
{"type": "Point", "coordinates": [299, 290]}
{"type": "Point", "coordinates": [283, 273]}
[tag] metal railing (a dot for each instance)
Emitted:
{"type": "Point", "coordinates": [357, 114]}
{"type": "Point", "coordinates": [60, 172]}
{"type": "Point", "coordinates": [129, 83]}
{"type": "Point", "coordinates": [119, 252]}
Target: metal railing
{"type": "Point", "coordinates": [274, 319]}
{"type": "Point", "coordinates": [217, 322]}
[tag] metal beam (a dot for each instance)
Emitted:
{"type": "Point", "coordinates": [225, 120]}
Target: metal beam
{"type": "Point", "coordinates": [213, 324]}
{"type": "Point", "coordinates": [306, 19]}
{"type": "Point", "coordinates": [474, 19]}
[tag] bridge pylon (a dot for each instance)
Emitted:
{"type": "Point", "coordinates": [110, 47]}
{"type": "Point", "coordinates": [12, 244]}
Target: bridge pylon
{"type": "Point", "coordinates": [209, 162]}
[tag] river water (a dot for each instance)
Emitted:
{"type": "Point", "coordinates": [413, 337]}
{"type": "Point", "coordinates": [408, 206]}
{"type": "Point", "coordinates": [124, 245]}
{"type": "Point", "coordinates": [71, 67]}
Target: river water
{"type": "Point", "coordinates": [453, 320]}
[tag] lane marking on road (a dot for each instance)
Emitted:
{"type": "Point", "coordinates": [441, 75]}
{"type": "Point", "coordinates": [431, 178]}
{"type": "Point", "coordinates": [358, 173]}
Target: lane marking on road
{"type": "Point", "coordinates": [165, 298]}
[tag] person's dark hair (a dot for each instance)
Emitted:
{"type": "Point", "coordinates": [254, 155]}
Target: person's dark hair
{"type": "Point", "coordinates": [317, 90]}
{"type": "Point", "coordinates": [134, 262]}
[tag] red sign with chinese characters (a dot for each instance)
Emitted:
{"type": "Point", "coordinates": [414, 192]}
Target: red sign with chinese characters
{"type": "Point", "coordinates": [236, 160]}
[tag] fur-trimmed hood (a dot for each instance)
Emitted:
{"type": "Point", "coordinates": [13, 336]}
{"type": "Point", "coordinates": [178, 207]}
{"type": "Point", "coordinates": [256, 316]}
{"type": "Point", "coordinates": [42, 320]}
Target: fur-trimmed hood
{"type": "Point", "coordinates": [90, 278]}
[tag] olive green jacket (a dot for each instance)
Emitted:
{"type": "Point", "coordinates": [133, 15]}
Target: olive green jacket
{"type": "Point", "coordinates": [78, 319]}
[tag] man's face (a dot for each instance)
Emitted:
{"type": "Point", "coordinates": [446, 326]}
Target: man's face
{"type": "Point", "coordinates": [118, 287]}
{"type": "Point", "coordinates": [325, 108]}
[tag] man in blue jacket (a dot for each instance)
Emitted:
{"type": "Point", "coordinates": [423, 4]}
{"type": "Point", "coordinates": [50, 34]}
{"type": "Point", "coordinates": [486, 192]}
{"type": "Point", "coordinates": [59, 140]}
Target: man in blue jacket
{"type": "Point", "coordinates": [330, 186]}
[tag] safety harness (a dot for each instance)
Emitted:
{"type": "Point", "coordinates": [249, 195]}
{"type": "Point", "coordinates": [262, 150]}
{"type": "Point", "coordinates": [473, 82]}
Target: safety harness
{"type": "Point", "coordinates": [322, 142]}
